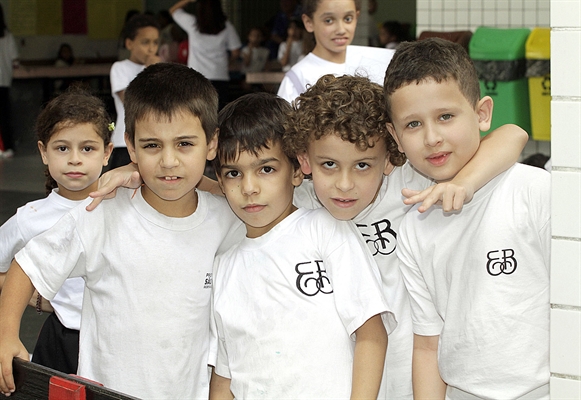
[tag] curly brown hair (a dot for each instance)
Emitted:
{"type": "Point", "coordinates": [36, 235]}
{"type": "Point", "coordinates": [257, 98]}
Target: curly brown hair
{"type": "Point", "coordinates": [351, 107]}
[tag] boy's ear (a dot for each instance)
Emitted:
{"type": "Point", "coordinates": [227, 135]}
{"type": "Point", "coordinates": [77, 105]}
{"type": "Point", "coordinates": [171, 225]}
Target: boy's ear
{"type": "Point", "coordinates": [42, 150]}
{"type": "Point", "coordinates": [213, 146]}
{"type": "Point", "coordinates": [304, 162]}
{"type": "Point", "coordinates": [484, 111]}
{"type": "Point", "coordinates": [128, 44]}
{"type": "Point", "coordinates": [308, 23]}
{"type": "Point", "coordinates": [130, 149]}
{"type": "Point", "coordinates": [108, 151]}
{"type": "Point", "coordinates": [391, 130]}
{"type": "Point", "coordinates": [298, 177]}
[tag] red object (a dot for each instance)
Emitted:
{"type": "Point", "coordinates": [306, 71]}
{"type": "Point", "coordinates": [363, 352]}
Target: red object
{"type": "Point", "coordinates": [63, 389]}
{"type": "Point", "coordinates": [183, 52]}
{"type": "Point", "coordinates": [74, 17]}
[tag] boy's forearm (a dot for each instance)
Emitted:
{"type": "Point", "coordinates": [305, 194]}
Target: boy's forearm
{"type": "Point", "coordinates": [427, 383]}
{"type": "Point", "coordinates": [369, 359]}
{"type": "Point", "coordinates": [178, 5]}
{"type": "Point", "coordinates": [220, 388]}
{"type": "Point", "coordinates": [498, 151]}
{"type": "Point", "coordinates": [16, 292]}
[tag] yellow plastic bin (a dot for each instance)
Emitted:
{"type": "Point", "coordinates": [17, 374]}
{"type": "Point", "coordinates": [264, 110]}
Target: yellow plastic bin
{"type": "Point", "coordinates": [538, 54]}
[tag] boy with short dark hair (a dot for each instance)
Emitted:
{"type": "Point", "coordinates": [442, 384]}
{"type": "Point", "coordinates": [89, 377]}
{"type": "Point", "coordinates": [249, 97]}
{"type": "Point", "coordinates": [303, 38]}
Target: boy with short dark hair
{"type": "Point", "coordinates": [146, 256]}
{"type": "Point", "coordinates": [338, 129]}
{"type": "Point", "coordinates": [298, 303]}
{"type": "Point", "coordinates": [141, 38]}
{"type": "Point", "coordinates": [479, 278]}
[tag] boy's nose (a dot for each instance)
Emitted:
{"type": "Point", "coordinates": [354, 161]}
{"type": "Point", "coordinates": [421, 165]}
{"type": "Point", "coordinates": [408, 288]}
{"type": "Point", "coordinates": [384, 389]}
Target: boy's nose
{"type": "Point", "coordinates": [169, 159]}
{"type": "Point", "coordinates": [345, 182]}
{"type": "Point", "coordinates": [432, 136]}
{"type": "Point", "coordinates": [249, 186]}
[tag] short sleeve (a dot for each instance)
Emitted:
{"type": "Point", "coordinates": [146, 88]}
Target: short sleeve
{"type": "Point", "coordinates": [232, 39]}
{"type": "Point", "coordinates": [425, 318]}
{"type": "Point", "coordinates": [287, 90]}
{"type": "Point", "coordinates": [11, 241]}
{"type": "Point", "coordinates": [119, 77]}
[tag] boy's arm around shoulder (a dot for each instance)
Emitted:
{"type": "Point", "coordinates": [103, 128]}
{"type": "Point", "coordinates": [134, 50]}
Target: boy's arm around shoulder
{"type": "Point", "coordinates": [13, 300]}
{"type": "Point", "coordinates": [220, 387]}
{"type": "Point", "coordinates": [498, 151]}
{"type": "Point", "coordinates": [369, 358]}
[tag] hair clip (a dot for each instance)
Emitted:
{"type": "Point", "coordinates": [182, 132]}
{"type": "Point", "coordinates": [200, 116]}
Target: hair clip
{"type": "Point", "coordinates": [111, 126]}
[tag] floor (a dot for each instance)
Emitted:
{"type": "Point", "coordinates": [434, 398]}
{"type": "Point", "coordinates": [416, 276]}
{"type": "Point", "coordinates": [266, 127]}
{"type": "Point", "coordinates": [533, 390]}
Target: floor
{"type": "Point", "coordinates": [21, 181]}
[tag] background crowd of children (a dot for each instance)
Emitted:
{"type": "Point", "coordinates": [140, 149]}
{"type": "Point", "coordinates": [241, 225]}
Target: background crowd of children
{"type": "Point", "coordinates": [412, 263]}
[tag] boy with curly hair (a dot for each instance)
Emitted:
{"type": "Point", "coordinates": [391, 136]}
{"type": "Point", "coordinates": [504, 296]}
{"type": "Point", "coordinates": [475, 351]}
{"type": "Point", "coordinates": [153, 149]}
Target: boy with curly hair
{"type": "Point", "coordinates": [338, 130]}
{"type": "Point", "coordinates": [297, 303]}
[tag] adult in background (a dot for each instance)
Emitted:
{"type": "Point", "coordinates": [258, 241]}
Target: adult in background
{"type": "Point", "coordinates": [8, 59]}
{"type": "Point", "coordinates": [213, 41]}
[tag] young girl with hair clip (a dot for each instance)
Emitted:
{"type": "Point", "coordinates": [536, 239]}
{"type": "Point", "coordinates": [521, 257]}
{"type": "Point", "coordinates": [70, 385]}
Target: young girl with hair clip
{"type": "Point", "coordinates": [333, 23]}
{"type": "Point", "coordinates": [74, 140]}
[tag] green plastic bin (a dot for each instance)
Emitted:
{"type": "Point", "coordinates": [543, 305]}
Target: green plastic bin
{"type": "Point", "coordinates": [499, 58]}
{"type": "Point", "coordinates": [538, 53]}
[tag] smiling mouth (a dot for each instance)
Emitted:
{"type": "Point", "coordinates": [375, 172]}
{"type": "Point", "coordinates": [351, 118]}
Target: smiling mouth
{"type": "Point", "coordinates": [170, 178]}
{"type": "Point", "coordinates": [438, 158]}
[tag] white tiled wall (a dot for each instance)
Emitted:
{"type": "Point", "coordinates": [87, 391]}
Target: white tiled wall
{"type": "Point", "coordinates": [459, 15]}
{"type": "Point", "coordinates": [566, 199]}
{"type": "Point", "coordinates": [564, 17]}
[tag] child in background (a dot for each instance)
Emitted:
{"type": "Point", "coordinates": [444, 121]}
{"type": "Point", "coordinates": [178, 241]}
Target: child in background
{"type": "Point", "coordinates": [254, 54]}
{"type": "Point", "coordinates": [338, 130]}
{"type": "Point", "coordinates": [392, 33]}
{"type": "Point", "coordinates": [298, 304]}
{"type": "Point", "coordinates": [478, 279]}
{"type": "Point", "coordinates": [292, 49]}
{"type": "Point", "coordinates": [74, 143]}
{"type": "Point", "coordinates": [141, 33]}
{"type": "Point", "coordinates": [146, 256]}
{"type": "Point", "coordinates": [333, 24]}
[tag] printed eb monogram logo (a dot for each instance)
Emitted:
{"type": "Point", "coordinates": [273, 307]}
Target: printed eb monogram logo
{"type": "Point", "coordinates": [501, 262]}
{"type": "Point", "coordinates": [312, 278]}
{"type": "Point", "coordinates": [384, 238]}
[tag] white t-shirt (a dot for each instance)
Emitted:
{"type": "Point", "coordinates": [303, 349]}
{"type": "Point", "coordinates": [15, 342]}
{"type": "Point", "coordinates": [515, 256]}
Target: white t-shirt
{"type": "Point", "coordinates": [145, 328]}
{"type": "Point", "coordinates": [30, 220]}
{"type": "Point", "coordinates": [479, 278]}
{"type": "Point", "coordinates": [287, 305]}
{"type": "Point", "coordinates": [296, 51]}
{"type": "Point", "coordinates": [121, 75]}
{"type": "Point", "coordinates": [8, 53]}
{"type": "Point", "coordinates": [306, 72]}
{"type": "Point", "coordinates": [258, 59]}
{"type": "Point", "coordinates": [379, 224]}
{"type": "Point", "coordinates": [208, 54]}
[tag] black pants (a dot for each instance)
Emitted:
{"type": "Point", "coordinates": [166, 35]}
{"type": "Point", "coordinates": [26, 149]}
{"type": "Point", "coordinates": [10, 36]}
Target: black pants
{"type": "Point", "coordinates": [6, 118]}
{"type": "Point", "coordinates": [57, 346]}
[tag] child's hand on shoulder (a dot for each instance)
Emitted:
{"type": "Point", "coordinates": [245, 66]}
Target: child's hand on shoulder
{"type": "Point", "coordinates": [127, 176]}
{"type": "Point", "coordinates": [451, 196]}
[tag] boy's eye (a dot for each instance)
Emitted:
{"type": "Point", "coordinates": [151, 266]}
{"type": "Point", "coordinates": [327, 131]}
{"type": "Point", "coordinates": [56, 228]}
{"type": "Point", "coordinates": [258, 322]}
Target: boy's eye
{"type": "Point", "coordinates": [362, 166]}
{"type": "Point", "coordinates": [328, 20]}
{"type": "Point", "coordinates": [61, 148]}
{"type": "Point", "coordinates": [329, 164]}
{"type": "Point", "coordinates": [446, 117]}
{"type": "Point", "coordinates": [150, 146]}
{"type": "Point", "coordinates": [349, 18]}
{"type": "Point", "coordinates": [87, 149]}
{"type": "Point", "coordinates": [267, 170]}
{"type": "Point", "coordinates": [184, 144]}
{"type": "Point", "coordinates": [232, 174]}
{"type": "Point", "coordinates": [413, 124]}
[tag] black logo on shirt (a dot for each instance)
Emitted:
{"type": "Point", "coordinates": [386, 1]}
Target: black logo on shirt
{"type": "Point", "coordinates": [208, 281]}
{"type": "Point", "coordinates": [501, 262]}
{"type": "Point", "coordinates": [312, 278]}
{"type": "Point", "coordinates": [383, 240]}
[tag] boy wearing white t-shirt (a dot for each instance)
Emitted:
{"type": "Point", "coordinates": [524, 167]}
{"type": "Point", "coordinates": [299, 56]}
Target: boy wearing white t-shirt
{"type": "Point", "coordinates": [297, 303]}
{"type": "Point", "coordinates": [141, 38]}
{"type": "Point", "coordinates": [338, 129]}
{"type": "Point", "coordinates": [146, 256]}
{"type": "Point", "coordinates": [479, 278]}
